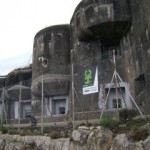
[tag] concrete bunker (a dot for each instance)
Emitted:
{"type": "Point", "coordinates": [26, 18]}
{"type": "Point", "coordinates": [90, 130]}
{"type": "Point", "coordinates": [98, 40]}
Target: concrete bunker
{"type": "Point", "coordinates": [18, 93]}
{"type": "Point", "coordinates": [51, 67]}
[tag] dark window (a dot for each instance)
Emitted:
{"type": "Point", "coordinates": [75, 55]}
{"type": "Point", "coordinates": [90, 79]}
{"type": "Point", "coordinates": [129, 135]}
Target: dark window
{"type": "Point", "coordinates": [115, 103]}
{"type": "Point", "coordinates": [12, 112]}
{"type": "Point", "coordinates": [58, 106]}
{"type": "Point", "coordinates": [61, 110]}
{"type": "Point", "coordinates": [107, 51]}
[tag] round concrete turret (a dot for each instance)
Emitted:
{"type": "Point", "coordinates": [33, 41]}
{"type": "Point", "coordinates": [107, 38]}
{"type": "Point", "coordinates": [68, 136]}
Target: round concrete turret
{"type": "Point", "coordinates": [103, 19]}
{"type": "Point", "coordinates": [51, 58]}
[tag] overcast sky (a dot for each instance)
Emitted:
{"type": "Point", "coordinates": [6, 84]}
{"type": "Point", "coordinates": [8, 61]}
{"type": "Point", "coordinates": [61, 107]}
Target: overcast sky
{"type": "Point", "coordinates": [20, 20]}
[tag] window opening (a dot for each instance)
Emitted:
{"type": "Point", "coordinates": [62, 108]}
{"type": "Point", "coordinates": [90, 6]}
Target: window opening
{"type": "Point", "coordinates": [107, 51]}
{"type": "Point", "coordinates": [62, 110]}
{"type": "Point", "coordinates": [115, 103]}
{"type": "Point", "coordinates": [58, 106]}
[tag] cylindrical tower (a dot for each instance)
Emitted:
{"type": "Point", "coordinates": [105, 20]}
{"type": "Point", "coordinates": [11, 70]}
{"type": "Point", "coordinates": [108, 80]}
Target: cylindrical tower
{"type": "Point", "coordinates": [51, 58]}
{"type": "Point", "coordinates": [107, 20]}
{"type": "Point", "coordinates": [97, 26]}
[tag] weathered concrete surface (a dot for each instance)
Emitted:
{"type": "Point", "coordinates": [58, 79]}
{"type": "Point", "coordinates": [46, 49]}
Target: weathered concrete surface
{"type": "Point", "coordinates": [101, 19]}
{"type": "Point", "coordinates": [51, 57]}
{"type": "Point", "coordinates": [18, 82]}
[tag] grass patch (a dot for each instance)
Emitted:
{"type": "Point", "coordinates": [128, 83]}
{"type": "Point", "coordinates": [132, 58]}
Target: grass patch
{"type": "Point", "coordinates": [109, 123]}
{"type": "Point", "coordinates": [134, 128]}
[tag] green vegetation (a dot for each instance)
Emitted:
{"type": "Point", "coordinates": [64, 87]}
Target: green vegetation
{"type": "Point", "coordinates": [87, 124]}
{"type": "Point", "coordinates": [109, 123]}
{"type": "Point", "coordinates": [4, 130]}
{"type": "Point", "coordinates": [127, 124]}
{"type": "Point", "coordinates": [126, 114]}
{"type": "Point", "coordinates": [55, 135]}
{"type": "Point", "coordinates": [135, 128]}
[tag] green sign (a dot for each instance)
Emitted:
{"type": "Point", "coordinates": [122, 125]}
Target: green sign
{"type": "Point", "coordinates": [90, 80]}
{"type": "Point", "coordinates": [88, 77]}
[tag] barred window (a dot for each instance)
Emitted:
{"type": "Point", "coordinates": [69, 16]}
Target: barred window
{"type": "Point", "coordinates": [115, 101]}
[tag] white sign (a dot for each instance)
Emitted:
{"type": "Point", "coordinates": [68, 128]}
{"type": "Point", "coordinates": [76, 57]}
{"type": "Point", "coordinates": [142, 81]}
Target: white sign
{"type": "Point", "coordinates": [90, 80]}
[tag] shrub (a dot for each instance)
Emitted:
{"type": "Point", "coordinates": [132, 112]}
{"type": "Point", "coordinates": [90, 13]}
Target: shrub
{"type": "Point", "coordinates": [4, 130]}
{"type": "Point", "coordinates": [109, 123]}
{"type": "Point", "coordinates": [139, 134]}
{"type": "Point", "coordinates": [126, 114]}
{"type": "Point", "coordinates": [55, 135]}
{"type": "Point", "coordinates": [87, 124]}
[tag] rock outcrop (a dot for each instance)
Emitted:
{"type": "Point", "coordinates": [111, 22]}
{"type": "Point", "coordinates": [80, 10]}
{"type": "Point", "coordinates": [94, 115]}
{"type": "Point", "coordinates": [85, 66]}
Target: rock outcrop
{"type": "Point", "coordinates": [84, 138]}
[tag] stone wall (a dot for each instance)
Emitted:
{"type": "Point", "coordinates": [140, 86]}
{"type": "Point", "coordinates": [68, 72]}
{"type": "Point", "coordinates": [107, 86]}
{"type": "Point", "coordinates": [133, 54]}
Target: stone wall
{"type": "Point", "coordinates": [84, 138]}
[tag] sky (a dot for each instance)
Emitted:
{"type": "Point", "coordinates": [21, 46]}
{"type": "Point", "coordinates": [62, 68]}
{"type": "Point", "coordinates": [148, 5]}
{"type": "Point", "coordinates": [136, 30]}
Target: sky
{"type": "Point", "coordinates": [20, 20]}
